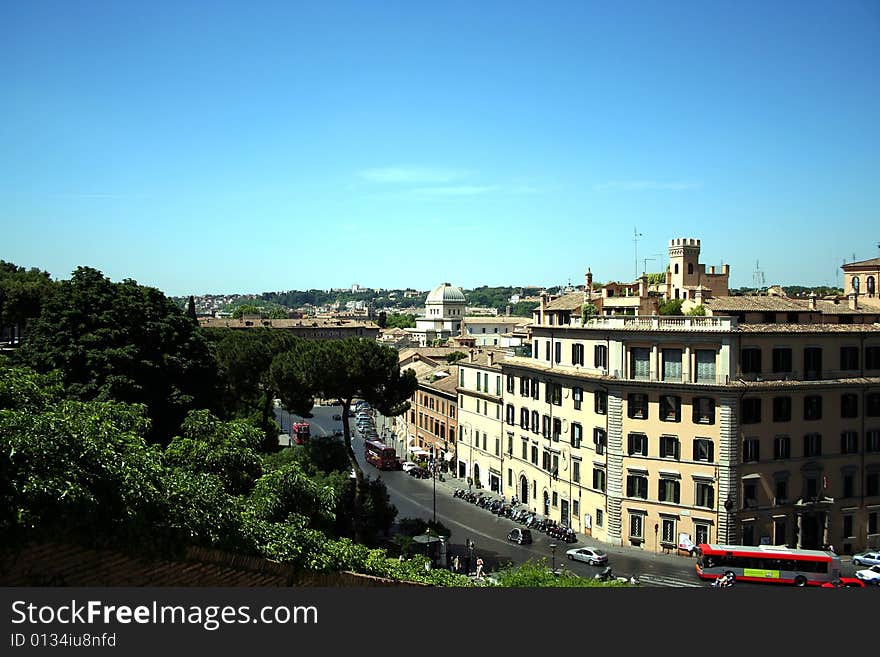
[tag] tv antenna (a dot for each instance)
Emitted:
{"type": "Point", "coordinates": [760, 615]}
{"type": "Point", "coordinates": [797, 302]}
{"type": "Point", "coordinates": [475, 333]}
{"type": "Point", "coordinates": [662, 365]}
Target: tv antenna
{"type": "Point", "coordinates": [758, 276]}
{"type": "Point", "coordinates": [636, 236]}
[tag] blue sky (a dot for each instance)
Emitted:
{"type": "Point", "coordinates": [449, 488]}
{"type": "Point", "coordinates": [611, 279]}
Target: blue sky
{"type": "Point", "coordinates": [252, 146]}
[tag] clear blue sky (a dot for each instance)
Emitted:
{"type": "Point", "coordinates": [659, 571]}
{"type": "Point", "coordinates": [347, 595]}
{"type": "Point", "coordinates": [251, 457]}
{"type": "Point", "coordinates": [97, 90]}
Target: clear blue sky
{"type": "Point", "coordinates": [251, 146]}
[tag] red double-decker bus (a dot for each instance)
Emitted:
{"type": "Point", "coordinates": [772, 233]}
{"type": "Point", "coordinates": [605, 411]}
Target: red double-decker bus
{"type": "Point", "coordinates": [380, 455]}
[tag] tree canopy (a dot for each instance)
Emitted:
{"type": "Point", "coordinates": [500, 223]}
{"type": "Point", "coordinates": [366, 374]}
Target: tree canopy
{"type": "Point", "coordinates": [344, 370]}
{"type": "Point", "coordinates": [125, 342]}
{"type": "Point", "coordinates": [22, 293]}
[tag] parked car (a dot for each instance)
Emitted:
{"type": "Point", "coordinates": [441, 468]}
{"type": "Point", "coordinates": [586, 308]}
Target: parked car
{"type": "Point", "coordinates": [337, 417]}
{"type": "Point", "coordinates": [866, 559]}
{"type": "Point", "coordinates": [870, 575]}
{"type": "Point", "coordinates": [592, 556]}
{"type": "Point", "coordinates": [406, 466]}
{"type": "Point", "coordinates": [519, 536]}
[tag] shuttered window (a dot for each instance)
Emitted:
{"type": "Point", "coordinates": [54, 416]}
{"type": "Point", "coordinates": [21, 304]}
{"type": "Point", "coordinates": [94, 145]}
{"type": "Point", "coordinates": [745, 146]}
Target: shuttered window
{"type": "Point", "coordinates": [672, 364]}
{"type": "Point", "coordinates": [705, 366]}
{"type": "Point", "coordinates": [641, 363]}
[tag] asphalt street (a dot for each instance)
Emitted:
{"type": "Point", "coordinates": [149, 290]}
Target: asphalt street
{"type": "Point", "coordinates": [429, 498]}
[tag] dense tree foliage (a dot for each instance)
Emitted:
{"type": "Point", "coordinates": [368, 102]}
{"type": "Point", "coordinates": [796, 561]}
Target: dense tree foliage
{"type": "Point", "coordinates": [401, 320]}
{"type": "Point", "coordinates": [124, 342]}
{"type": "Point", "coordinates": [246, 390]}
{"type": "Point", "coordinates": [523, 308]}
{"type": "Point", "coordinates": [538, 573]}
{"type": "Point", "coordinates": [228, 450]}
{"type": "Point", "coordinates": [344, 370]}
{"type": "Point", "coordinates": [671, 307]}
{"type": "Point", "coordinates": [22, 293]}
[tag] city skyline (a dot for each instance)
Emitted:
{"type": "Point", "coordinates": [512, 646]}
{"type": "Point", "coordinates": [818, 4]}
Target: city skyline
{"type": "Point", "coordinates": [226, 148]}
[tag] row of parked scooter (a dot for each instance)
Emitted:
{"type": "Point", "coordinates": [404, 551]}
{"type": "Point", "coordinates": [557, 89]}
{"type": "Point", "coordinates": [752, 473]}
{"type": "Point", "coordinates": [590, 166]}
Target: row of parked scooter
{"type": "Point", "coordinates": [517, 513]}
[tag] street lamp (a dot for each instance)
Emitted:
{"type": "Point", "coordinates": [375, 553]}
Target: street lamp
{"type": "Point", "coordinates": [553, 549]}
{"type": "Point", "coordinates": [728, 507]}
{"type": "Point", "coordinates": [434, 477]}
{"type": "Point", "coordinates": [471, 462]}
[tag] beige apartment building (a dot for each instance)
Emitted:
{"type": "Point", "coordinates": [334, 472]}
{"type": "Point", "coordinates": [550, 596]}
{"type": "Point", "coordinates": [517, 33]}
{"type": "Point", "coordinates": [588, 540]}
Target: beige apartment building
{"type": "Point", "coordinates": [481, 435]}
{"type": "Point", "coordinates": [727, 428]}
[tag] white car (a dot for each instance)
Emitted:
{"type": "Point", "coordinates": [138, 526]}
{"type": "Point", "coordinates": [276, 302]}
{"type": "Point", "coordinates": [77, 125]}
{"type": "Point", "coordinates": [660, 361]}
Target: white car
{"type": "Point", "coordinates": [866, 559]}
{"type": "Point", "coordinates": [406, 466]}
{"type": "Point", "coordinates": [592, 556]}
{"type": "Point", "coordinates": [870, 575]}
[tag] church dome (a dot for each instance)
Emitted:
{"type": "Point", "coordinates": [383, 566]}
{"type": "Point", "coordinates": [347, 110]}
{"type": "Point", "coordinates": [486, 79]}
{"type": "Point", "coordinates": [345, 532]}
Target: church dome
{"type": "Point", "coordinates": [446, 293]}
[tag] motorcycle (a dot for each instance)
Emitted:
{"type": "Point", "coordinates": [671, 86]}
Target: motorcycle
{"type": "Point", "coordinates": [724, 582]}
{"type": "Point", "coordinates": [607, 575]}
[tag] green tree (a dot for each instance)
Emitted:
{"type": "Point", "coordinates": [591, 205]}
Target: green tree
{"type": "Point", "coordinates": [277, 313]}
{"type": "Point", "coordinates": [398, 320]}
{"type": "Point", "coordinates": [191, 308]}
{"type": "Point", "coordinates": [22, 294]}
{"type": "Point", "coordinates": [382, 320]}
{"type": "Point", "coordinates": [588, 311]}
{"type": "Point", "coordinates": [671, 307]}
{"type": "Point", "coordinates": [122, 341]}
{"type": "Point", "coordinates": [537, 573]}
{"type": "Point", "coordinates": [246, 309]}
{"type": "Point", "coordinates": [227, 450]}
{"type": "Point", "coordinates": [524, 308]}
{"type": "Point", "coordinates": [344, 370]}
{"type": "Point", "coordinates": [243, 358]}
{"type": "Point", "coordinates": [455, 356]}
{"type": "Point", "coordinates": [697, 310]}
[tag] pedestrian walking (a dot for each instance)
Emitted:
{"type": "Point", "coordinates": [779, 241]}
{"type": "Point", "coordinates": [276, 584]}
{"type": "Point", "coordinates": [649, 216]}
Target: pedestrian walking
{"type": "Point", "coordinates": [479, 568]}
{"type": "Point", "coordinates": [456, 564]}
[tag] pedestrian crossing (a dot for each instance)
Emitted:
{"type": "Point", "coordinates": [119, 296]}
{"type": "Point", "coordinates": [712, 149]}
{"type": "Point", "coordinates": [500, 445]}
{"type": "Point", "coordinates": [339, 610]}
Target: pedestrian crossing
{"type": "Point", "coordinates": [663, 580]}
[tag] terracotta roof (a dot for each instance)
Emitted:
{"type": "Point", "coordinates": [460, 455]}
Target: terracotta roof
{"type": "Point", "coordinates": [567, 302]}
{"type": "Point", "coordinates": [492, 319]}
{"type": "Point", "coordinates": [809, 328]}
{"type": "Point", "coordinates": [755, 304]}
{"type": "Point", "coordinates": [842, 308]}
{"type": "Point", "coordinates": [481, 359]}
{"type": "Point", "coordinates": [447, 383]}
{"type": "Point", "coordinates": [862, 264]}
{"type": "Point", "coordinates": [286, 323]}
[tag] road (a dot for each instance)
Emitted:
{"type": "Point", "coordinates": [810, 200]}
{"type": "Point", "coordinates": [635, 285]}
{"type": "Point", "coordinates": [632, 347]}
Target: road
{"type": "Point", "coordinates": [423, 498]}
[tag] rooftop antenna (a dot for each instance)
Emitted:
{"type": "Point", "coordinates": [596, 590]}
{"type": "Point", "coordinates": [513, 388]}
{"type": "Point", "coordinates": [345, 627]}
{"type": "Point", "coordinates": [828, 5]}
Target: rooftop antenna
{"type": "Point", "coordinates": [758, 276]}
{"type": "Point", "coordinates": [636, 236]}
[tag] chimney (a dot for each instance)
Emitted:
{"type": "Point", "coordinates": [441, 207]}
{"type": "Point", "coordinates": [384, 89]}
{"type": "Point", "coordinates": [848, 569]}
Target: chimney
{"type": "Point", "coordinates": [712, 269]}
{"type": "Point", "coordinates": [813, 301]}
{"type": "Point", "coordinates": [643, 285]}
{"type": "Point", "coordinates": [854, 301]}
{"type": "Point", "coordinates": [507, 311]}
{"type": "Point", "coordinates": [471, 357]}
{"type": "Point", "coordinates": [491, 356]}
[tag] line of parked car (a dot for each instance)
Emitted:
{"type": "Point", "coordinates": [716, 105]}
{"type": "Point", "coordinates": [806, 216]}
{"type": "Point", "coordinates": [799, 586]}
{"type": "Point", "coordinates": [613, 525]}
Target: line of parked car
{"type": "Point", "coordinates": [365, 420]}
{"type": "Point", "coordinates": [869, 575]}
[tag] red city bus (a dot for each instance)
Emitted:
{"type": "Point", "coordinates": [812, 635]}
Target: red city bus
{"type": "Point", "coordinates": [300, 431]}
{"type": "Point", "coordinates": [768, 563]}
{"type": "Point", "coordinates": [380, 455]}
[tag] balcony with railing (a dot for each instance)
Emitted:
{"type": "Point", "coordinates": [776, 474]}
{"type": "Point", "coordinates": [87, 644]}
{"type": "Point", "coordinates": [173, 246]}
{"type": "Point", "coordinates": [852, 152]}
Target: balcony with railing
{"type": "Point", "coordinates": [659, 323]}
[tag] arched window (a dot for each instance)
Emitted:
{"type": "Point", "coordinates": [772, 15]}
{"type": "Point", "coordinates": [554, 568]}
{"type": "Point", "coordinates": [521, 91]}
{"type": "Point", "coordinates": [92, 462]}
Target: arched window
{"type": "Point", "coordinates": [869, 283]}
{"type": "Point", "coordinates": [856, 283]}
{"type": "Point", "coordinates": [690, 268]}
{"type": "Point", "coordinates": [676, 268]}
